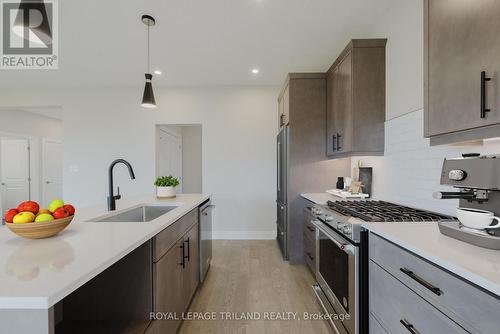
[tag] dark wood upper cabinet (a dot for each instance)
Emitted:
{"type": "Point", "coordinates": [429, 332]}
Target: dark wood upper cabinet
{"type": "Point", "coordinates": [462, 40]}
{"type": "Point", "coordinates": [356, 100]}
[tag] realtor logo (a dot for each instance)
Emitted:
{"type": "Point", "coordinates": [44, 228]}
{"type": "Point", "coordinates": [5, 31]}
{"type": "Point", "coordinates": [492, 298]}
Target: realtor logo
{"type": "Point", "coordinates": [29, 34]}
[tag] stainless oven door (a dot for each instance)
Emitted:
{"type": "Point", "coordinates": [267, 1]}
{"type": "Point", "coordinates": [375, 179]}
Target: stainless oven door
{"type": "Point", "coordinates": [336, 273]}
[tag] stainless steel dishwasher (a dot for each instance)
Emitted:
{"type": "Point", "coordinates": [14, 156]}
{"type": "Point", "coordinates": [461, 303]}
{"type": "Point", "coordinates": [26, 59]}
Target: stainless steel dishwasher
{"type": "Point", "coordinates": [205, 237]}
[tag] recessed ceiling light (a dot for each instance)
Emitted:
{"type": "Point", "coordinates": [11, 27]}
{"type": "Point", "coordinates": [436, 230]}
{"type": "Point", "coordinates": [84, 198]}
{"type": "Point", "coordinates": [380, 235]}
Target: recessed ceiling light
{"type": "Point", "coordinates": [255, 71]}
{"type": "Point", "coordinates": [158, 72]}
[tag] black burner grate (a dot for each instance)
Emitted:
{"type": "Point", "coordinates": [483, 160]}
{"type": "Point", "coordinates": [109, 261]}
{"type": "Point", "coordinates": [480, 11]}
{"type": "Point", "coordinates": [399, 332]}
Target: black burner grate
{"type": "Point", "coordinates": [380, 211]}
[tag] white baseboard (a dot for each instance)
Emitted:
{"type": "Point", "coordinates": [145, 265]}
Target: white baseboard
{"type": "Point", "coordinates": [244, 235]}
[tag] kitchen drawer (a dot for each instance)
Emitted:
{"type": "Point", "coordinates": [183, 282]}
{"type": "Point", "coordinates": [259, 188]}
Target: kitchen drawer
{"type": "Point", "coordinates": [164, 240]}
{"type": "Point", "coordinates": [393, 303]}
{"type": "Point", "coordinates": [309, 228]}
{"type": "Point", "coordinates": [310, 252]}
{"type": "Point", "coordinates": [468, 305]}
{"type": "Point", "coordinates": [375, 327]}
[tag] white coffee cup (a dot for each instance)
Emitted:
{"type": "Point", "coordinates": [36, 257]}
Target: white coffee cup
{"type": "Point", "coordinates": [477, 219]}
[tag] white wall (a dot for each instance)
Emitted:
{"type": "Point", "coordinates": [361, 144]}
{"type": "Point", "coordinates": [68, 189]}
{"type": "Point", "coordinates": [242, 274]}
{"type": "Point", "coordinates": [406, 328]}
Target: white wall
{"type": "Point", "coordinates": [403, 27]}
{"type": "Point", "coordinates": [409, 171]}
{"type": "Point", "coordinates": [239, 129]}
{"type": "Point", "coordinates": [192, 162]}
{"type": "Point", "coordinates": [26, 123]}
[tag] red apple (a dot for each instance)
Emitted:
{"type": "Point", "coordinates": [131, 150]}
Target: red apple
{"type": "Point", "coordinates": [30, 206]}
{"type": "Point", "coordinates": [9, 215]}
{"type": "Point", "coordinates": [70, 208]}
{"type": "Point", "coordinates": [61, 213]}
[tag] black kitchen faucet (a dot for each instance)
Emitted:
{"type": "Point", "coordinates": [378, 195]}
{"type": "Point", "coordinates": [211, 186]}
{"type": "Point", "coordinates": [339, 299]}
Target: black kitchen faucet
{"type": "Point", "coordinates": [112, 198]}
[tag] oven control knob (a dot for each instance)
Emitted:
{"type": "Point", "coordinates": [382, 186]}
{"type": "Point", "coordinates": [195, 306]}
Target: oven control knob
{"type": "Point", "coordinates": [317, 211]}
{"type": "Point", "coordinates": [328, 218]}
{"type": "Point", "coordinates": [340, 226]}
{"type": "Point", "coordinates": [347, 230]}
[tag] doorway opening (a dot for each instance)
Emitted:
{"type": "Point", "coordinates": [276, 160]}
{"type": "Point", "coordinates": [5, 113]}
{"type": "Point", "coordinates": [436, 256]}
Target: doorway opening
{"type": "Point", "coordinates": [179, 153]}
{"type": "Point", "coordinates": [31, 162]}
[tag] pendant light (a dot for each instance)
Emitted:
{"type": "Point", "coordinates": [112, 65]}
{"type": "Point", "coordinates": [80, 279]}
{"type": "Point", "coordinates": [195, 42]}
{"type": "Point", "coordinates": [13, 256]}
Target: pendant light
{"type": "Point", "coordinates": [148, 98]}
{"type": "Point", "coordinates": [32, 18]}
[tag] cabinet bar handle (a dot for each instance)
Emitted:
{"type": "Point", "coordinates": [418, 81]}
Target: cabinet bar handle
{"type": "Point", "coordinates": [338, 142]}
{"type": "Point", "coordinates": [310, 228]}
{"type": "Point", "coordinates": [334, 144]}
{"type": "Point", "coordinates": [421, 281]}
{"type": "Point", "coordinates": [310, 256]}
{"type": "Point", "coordinates": [183, 263]}
{"type": "Point", "coordinates": [188, 257]}
{"type": "Point", "coordinates": [484, 110]}
{"type": "Point", "coordinates": [279, 166]}
{"type": "Point", "coordinates": [408, 326]}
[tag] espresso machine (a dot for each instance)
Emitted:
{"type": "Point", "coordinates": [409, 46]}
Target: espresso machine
{"type": "Point", "coordinates": [477, 179]}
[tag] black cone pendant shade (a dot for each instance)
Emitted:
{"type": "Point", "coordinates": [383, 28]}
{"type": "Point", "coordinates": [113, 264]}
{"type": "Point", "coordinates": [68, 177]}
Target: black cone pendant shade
{"type": "Point", "coordinates": [148, 98]}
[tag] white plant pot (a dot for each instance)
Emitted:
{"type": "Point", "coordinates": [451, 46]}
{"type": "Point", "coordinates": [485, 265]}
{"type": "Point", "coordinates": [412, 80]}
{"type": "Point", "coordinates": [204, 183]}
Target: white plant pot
{"type": "Point", "coordinates": [165, 192]}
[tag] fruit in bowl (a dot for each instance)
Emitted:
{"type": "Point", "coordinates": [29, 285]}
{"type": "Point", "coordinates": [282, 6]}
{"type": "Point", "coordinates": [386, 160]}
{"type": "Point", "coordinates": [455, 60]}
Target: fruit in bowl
{"type": "Point", "coordinates": [24, 217]}
{"type": "Point", "coordinates": [42, 211]}
{"type": "Point", "coordinates": [9, 215]}
{"type": "Point", "coordinates": [44, 217]}
{"type": "Point", "coordinates": [55, 204]}
{"type": "Point", "coordinates": [28, 220]}
{"type": "Point", "coordinates": [70, 208]}
{"type": "Point", "coordinates": [61, 213]}
{"type": "Point", "coordinates": [29, 206]}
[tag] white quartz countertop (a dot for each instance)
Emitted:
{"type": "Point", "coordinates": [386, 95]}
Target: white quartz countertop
{"type": "Point", "coordinates": [478, 265]}
{"type": "Point", "coordinates": [36, 274]}
{"type": "Point", "coordinates": [320, 198]}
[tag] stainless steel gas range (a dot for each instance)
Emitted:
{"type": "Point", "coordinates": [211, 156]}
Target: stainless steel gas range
{"type": "Point", "coordinates": [342, 256]}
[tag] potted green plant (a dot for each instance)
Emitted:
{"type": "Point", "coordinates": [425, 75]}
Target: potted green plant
{"type": "Point", "coordinates": [165, 186]}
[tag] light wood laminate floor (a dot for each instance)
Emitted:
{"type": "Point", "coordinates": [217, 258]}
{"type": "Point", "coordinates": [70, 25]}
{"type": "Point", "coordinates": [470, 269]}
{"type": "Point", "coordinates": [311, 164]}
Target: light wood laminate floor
{"type": "Point", "coordinates": [250, 276]}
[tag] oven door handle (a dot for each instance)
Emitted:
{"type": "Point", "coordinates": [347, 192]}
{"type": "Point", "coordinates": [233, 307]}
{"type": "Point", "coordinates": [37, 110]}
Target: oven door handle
{"type": "Point", "coordinates": [325, 310]}
{"type": "Point", "coordinates": [345, 247]}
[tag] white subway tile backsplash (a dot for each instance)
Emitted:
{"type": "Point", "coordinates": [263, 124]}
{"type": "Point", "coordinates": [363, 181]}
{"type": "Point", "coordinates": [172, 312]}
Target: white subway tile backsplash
{"type": "Point", "coordinates": [409, 171]}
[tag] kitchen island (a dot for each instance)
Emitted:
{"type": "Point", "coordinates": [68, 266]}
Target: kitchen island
{"type": "Point", "coordinates": [37, 274]}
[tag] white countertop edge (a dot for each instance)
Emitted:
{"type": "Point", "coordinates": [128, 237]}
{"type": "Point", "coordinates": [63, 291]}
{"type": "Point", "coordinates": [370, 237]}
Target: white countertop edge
{"type": "Point", "coordinates": [319, 198]}
{"type": "Point", "coordinates": [41, 302]}
{"type": "Point", "coordinates": [20, 303]}
{"type": "Point", "coordinates": [449, 266]}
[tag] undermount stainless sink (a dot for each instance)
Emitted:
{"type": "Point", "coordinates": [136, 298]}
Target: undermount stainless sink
{"type": "Point", "coordinates": [143, 213]}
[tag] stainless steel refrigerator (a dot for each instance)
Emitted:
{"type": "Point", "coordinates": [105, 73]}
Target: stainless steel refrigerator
{"type": "Point", "coordinates": [282, 197]}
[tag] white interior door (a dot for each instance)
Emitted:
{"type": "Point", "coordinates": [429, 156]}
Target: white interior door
{"type": "Point", "coordinates": [52, 162]}
{"type": "Point", "coordinates": [170, 156]}
{"type": "Point", "coordinates": [14, 171]}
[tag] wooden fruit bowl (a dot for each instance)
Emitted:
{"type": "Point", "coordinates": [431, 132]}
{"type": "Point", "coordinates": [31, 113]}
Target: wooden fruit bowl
{"type": "Point", "coordinates": [40, 230]}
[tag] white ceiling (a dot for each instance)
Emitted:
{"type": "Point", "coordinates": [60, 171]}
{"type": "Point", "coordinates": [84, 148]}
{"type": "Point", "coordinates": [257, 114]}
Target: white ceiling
{"type": "Point", "coordinates": [199, 42]}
